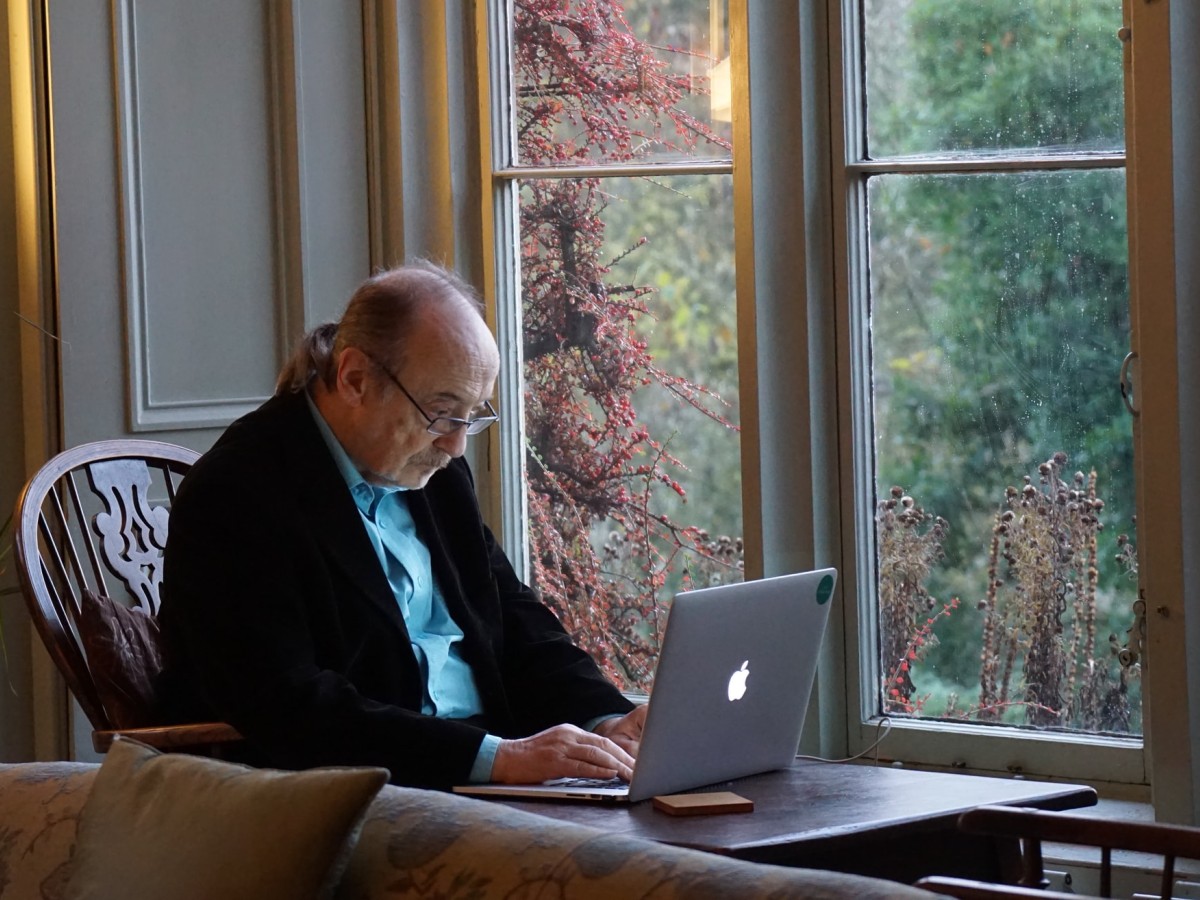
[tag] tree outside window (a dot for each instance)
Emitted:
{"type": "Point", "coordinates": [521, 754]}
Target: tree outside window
{"type": "Point", "coordinates": [629, 344]}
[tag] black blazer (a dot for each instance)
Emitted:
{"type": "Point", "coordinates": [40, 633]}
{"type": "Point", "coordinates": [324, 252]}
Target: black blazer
{"type": "Point", "coordinates": [277, 617]}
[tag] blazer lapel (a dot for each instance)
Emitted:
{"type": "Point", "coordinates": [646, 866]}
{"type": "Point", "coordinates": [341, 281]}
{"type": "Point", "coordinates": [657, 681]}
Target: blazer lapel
{"type": "Point", "coordinates": [330, 511]}
{"type": "Point", "coordinates": [466, 586]}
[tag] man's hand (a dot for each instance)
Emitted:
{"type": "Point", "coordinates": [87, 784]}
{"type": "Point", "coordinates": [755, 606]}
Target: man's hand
{"type": "Point", "coordinates": [625, 732]}
{"type": "Point", "coordinates": [560, 752]}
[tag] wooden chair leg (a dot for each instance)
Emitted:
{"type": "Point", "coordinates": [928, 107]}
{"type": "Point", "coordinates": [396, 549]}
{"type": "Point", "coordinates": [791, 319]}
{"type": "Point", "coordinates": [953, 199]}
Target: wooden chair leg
{"type": "Point", "coordinates": [1034, 867]}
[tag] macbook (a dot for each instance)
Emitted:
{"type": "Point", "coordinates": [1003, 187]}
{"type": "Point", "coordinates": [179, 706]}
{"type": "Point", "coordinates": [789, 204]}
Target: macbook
{"type": "Point", "coordinates": [732, 685]}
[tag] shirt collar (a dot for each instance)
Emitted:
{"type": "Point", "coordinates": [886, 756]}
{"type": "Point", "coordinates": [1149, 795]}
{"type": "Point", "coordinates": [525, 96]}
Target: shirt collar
{"type": "Point", "coordinates": [366, 495]}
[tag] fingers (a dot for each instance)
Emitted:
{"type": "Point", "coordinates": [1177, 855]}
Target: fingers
{"type": "Point", "coordinates": [628, 744]}
{"type": "Point", "coordinates": [600, 760]}
{"type": "Point", "coordinates": [562, 751]}
{"type": "Point", "coordinates": [625, 732]}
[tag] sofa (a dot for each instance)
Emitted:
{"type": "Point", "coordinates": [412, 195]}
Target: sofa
{"type": "Point", "coordinates": [409, 843]}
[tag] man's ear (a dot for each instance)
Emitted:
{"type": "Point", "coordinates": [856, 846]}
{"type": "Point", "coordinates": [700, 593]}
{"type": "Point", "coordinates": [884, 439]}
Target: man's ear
{"type": "Point", "coordinates": [353, 376]}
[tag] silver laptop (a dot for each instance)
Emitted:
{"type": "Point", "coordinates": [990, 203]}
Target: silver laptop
{"type": "Point", "coordinates": [733, 683]}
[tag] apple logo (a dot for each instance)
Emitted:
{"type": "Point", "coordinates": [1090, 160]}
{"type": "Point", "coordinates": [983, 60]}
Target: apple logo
{"type": "Point", "coordinates": [737, 682]}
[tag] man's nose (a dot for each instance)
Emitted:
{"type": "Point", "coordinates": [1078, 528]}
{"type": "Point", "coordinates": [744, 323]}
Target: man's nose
{"type": "Point", "coordinates": [453, 445]}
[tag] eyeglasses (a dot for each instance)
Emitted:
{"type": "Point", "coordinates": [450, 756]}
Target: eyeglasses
{"type": "Point", "coordinates": [442, 425]}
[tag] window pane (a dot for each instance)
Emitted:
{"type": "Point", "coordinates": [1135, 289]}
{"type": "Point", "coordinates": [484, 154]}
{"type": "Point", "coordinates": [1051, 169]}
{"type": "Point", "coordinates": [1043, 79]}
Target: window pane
{"type": "Point", "coordinates": [644, 81]}
{"type": "Point", "coordinates": [1003, 451]}
{"type": "Point", "coordinates": [985, 75]}
{"type": "Point", "coordinates": [633, 460]}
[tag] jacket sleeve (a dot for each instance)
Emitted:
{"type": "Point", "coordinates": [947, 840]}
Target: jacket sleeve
{"type": "Point", "coordinates": [549, 678]}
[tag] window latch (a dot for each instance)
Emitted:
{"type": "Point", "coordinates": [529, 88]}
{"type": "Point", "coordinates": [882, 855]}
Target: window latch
{"type": "Point", "coordinates": [1130, 655]}
{"type": "Point", "coordinates": [1126, 385]}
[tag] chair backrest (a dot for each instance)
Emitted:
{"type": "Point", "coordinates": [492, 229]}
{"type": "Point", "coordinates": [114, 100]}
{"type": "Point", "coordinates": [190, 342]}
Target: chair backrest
{"type": "Point", "coordinates": [94, 517]}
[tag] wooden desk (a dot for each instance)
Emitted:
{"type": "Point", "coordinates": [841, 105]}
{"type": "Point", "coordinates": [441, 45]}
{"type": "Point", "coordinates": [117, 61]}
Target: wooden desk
{"type": "Point", "coordinates": [888, 822]}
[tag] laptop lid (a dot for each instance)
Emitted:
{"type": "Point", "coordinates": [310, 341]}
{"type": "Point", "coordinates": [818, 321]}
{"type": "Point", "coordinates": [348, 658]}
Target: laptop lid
{"type": "Point", "coordinates": [730, 692]}
{"type": "Point", "coordinates": [733, 682]}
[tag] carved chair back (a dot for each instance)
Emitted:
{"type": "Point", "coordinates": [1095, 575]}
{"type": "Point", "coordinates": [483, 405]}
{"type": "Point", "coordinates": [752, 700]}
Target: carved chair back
{"type": "Point", "coordinates": [94, 517]}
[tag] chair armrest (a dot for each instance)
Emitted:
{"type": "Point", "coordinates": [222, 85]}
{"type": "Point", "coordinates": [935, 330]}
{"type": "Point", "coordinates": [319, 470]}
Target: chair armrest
{"type": "Point", "coordinates": [969, 889]}
{"type": "Point", "coordinates": [170, 737]}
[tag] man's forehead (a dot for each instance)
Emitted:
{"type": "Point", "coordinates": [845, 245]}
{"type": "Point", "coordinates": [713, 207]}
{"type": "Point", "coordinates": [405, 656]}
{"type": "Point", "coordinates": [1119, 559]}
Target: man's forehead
{"type": "Point", "coordinates": [455, 378]}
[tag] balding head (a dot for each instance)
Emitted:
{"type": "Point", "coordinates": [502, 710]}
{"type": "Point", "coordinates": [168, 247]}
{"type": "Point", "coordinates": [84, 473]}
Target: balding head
{"type": "Point", "coordinates": [383, 319]}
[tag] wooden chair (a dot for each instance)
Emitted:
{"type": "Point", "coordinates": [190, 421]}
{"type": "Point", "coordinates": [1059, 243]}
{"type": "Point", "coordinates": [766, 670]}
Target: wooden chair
{"type": "Point", "coordinates": [1033, 826]}
{"type": "Point", "coordinates": [88, 521]}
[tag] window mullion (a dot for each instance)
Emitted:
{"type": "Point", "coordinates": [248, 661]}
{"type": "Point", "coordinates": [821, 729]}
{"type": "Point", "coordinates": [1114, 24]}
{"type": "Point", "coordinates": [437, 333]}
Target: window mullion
{"type": "Point", "coordinates": [971, 164]}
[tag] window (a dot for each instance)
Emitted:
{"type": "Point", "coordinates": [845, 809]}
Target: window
{"type": "Point", "coordinates": [985, 192]}
{"type": "Point", "coordinates": [931, 223]}
{"type": "Point", "coordinates": [616, 189]}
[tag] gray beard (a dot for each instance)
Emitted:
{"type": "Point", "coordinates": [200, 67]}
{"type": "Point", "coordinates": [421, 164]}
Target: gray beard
{"type": "Point", "coordinates": [431, 459]}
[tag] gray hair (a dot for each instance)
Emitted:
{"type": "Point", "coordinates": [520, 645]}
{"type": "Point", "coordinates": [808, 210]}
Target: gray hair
{"type": "Point", "coordinates": [379, 316]}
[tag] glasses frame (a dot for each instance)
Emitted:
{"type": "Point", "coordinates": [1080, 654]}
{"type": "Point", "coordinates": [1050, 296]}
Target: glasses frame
{"type": "Point", "coordinates": [453, 424]}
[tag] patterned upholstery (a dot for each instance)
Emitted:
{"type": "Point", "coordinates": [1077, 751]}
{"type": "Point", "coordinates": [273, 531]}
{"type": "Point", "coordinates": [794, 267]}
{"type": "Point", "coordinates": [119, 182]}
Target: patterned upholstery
{"type": "Point", "coordinates": [40, 805]}
{"type": "Point", "coordinates": [424, 843]}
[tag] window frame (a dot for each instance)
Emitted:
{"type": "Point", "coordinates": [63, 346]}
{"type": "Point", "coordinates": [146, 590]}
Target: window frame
{"type": "Point", "coordinates": [501, 174]}
{"type": "Point", "coordinates": [787, 86]}
{"type": "Point", "coordinates": [976, 748]}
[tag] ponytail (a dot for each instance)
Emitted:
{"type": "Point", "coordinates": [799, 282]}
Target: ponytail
{"type": "Point", "coordinates": [313, 357]}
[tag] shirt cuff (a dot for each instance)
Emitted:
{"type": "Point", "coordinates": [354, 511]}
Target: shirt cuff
{"type": "Point", "coordinates": [590, 724]}
{"type": "Point", "coordinates": [481, 772]}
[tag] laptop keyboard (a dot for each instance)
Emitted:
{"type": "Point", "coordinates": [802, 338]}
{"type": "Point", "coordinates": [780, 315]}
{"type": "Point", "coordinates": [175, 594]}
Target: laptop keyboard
{"type": "Point", "coordinates": [613, 782]}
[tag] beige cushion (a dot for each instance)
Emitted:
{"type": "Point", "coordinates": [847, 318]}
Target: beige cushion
{"type": "Point", "coordinates": [183, 827]}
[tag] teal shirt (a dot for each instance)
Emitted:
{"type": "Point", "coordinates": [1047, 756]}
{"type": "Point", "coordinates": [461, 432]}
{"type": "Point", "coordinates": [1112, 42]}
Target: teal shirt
{"type": "Point", "coordinates": [450, 689]}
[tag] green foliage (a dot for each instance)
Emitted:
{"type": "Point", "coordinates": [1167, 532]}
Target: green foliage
{"type": "Point", "coordinates": [681, 227]}
{"type": "Point", "coordinates": [993, 75]}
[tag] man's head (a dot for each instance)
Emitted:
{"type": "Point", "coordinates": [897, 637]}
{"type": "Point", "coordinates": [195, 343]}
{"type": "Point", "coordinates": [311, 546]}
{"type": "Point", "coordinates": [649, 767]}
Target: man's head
{"type": "Point", "coordinates": [411, 347]}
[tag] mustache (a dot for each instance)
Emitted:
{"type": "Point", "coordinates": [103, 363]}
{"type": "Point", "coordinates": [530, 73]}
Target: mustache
{"type": "Point", "coordinates": [431, 458]}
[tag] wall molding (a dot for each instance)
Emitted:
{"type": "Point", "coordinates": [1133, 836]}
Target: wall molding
{"type": "Point", "coordinates": [147, 410]}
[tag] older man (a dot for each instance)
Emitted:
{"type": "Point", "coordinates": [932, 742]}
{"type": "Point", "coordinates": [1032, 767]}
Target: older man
{"type": "Point", "coordinates": [331, 590]}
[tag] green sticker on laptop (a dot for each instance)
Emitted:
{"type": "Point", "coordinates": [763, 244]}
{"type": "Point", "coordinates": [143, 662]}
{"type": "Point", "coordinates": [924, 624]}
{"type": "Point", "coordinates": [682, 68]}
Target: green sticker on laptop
{"type": "Point", "coordinates": [825, 590]}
